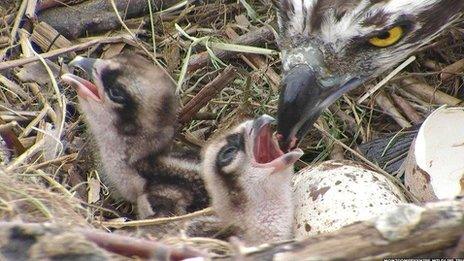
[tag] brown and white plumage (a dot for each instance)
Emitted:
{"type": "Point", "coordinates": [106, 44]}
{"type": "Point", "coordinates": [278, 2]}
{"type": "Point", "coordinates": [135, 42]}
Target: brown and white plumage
{"type": "Point", "coordinates": [331, 46]}
{"type": "Point", "coordinates": [249, 181]}
{"type": "Point", "coordinates": [131, 108]}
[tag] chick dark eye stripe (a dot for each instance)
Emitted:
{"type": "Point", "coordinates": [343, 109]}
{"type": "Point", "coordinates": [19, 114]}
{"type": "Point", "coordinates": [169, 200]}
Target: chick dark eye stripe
{"type": "Point", "coordinates": [230, 180]}
{"type": "Point", "coordinates": [127, 122]}
{"type": "Point", "coordinates": [112, 86]}
{"type": "Point", "coordinates": [234, 142]}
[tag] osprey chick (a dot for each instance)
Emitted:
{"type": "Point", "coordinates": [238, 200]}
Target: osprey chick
{"type": "Point", "coordinates": [131, 110]}
{"type": "Point", "coordinates": [249, 180]}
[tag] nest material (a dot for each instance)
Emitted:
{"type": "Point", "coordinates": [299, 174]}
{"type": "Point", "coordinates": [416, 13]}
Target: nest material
{"type": "Point", "coordinates": [24, 197]}
{"type": "Point", "coordinates": [50, 181]}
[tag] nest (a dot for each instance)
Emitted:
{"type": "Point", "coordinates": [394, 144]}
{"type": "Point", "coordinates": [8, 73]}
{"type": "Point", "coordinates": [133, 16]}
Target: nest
{"type": "Point", "coordinates": [49, 175]}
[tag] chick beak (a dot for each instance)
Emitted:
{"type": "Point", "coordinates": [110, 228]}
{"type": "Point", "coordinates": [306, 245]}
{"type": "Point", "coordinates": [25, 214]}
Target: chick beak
{"type": "Point", "coordinates": [85, 64]}
{"type": "Point", "coordinates": [265, 148]}
{"type": "Point", "coordinates": [302, 99]}
{"type": "Point", "coordinates": [85, 88]}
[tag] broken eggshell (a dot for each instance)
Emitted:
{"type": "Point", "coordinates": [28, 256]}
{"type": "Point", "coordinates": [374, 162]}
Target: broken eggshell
{"type": "Point", "coordinates": [333, 194]}
{"type": "Point", "coordinates": [434, 168]}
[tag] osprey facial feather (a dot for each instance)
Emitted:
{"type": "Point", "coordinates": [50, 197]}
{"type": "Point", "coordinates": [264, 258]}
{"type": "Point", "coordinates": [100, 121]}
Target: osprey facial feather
{"type": "Point", "coordinates": [330, 47]}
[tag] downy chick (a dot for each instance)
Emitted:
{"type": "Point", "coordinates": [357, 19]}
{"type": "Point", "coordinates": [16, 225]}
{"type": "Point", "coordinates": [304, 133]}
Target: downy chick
{"type": "Point", "coordinates": [130, 108]}
{"type": "Point", "coordinates": [249, 180]}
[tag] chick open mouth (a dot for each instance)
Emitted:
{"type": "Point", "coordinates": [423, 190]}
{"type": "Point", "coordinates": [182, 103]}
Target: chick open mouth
{"type": "Point", "coordinates": [85, 89]}
{"type": "Point", "coordinates": [266, 150]}
{"type": "Point", "coordinates": [82, 70]}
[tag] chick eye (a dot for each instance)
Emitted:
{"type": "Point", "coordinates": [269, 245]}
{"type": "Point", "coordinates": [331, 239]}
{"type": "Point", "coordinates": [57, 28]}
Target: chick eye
{"type": "Point", "coordinates": [226, 155]}
{"type": "Point", "coordinates": [116, 95]}
{"type": "Point", "coordinates": [387, 38]}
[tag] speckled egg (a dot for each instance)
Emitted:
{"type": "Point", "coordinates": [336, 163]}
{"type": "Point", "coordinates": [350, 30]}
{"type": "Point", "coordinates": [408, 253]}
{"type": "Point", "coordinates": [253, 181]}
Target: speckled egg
{"type": "Point", "coordinates": [333, 194]}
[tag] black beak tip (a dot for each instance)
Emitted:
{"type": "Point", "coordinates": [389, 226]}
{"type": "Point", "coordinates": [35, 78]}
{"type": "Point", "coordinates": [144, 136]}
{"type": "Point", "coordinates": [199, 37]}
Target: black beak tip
{"type": "Point", "coordinates": [284, 146]}
{"type": "Point", "coordinates": [290, 135]}
{"type": "Point", "coordinates": [286, 143]}
{"type": "Point", "coordinates": [300, 97]}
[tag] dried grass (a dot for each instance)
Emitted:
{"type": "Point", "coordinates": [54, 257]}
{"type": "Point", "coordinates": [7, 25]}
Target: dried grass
{"type": "Point", "coordinates": [38, 198]}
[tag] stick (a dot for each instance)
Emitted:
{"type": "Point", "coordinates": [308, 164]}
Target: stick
{"type": "Point", "coordinates": [11, 140]}
{"type": "Point", "coordinates": [454, 69]}
{"type": "Point", "coordinates": [25, 155]}
{"type": "Point", "coordinates": [31, 8]}
{"type": "Point", "coordinates": [389, 108]}
{"type": "Point", "coordinates": [261, 35]}
{"type": "Point", "coordinates": [407, 108]}
{"type": "Point", "coordinates": [51, 54]}
{"type": "Point", "coordinates": [81, 244]}
{"type": "Point", "coordinates": [207, 93]}
{"type": "Point", "coordinates": [429, 93]}
{"type": "Point", "coordinates": [386, 79]}
{"type": "Point", "coordinates": [254, 60]}
{"type": "Point", "coordinates": [17, 21]}
{"type": "Point", "coordinates": [96, 16]}
{"type": "Point", "coordinates": [129, 246]}
{"type": "Point", "coordinates": [155, 221]}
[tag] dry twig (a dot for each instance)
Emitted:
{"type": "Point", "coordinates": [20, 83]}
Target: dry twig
{"type": "Point", "coordinates": [54, 53]}
{"type": "Point", "coordinates": [207, 93]}
{"type": "Point", "coordinates": [260, 35]}
{"type": "Point", "coordinates": [429, 93]}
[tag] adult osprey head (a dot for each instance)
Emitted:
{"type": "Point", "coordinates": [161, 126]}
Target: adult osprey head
{"type": "Point", "coordinates": [332, 46]}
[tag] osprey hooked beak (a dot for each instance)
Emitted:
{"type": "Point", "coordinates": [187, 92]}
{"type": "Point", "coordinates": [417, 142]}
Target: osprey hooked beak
{"type": "Point", "coordinates": [330, 47]}
{"type": "Point", "coordinates": [304, 95]}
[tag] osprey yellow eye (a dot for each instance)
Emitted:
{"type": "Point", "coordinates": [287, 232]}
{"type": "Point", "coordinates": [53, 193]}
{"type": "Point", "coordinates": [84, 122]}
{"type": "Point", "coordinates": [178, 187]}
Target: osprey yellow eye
{"type": "Point", "coordinates": [387, 38]}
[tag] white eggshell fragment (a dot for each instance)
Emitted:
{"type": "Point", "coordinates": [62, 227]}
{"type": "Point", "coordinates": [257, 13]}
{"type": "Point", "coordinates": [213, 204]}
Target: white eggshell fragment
{"type": "Point", "coordinates": [333, 194]}
{"type": "Point", "coordinates": [439, 155]}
